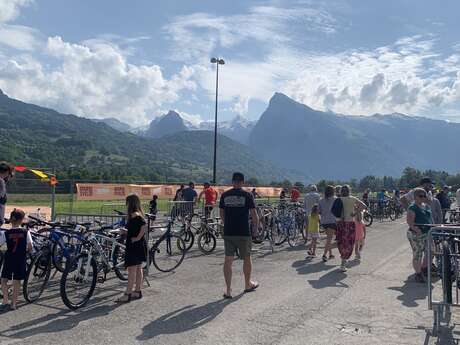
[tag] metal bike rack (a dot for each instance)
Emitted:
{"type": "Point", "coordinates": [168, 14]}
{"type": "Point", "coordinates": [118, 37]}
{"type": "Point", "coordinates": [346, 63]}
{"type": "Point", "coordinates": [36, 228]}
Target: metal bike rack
{"type": "Point", "coordinates": [442, 309]}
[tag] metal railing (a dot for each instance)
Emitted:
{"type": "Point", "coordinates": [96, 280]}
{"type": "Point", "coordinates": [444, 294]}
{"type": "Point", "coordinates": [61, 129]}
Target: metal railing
{"type": "Point", "coordinates": [108, 219]}
{"type": "Point", "coordinates": [443, 247]}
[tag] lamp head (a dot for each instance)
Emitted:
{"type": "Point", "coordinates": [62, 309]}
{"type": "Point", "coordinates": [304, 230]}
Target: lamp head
{"type": "Point", "coordinates": [213, 60]}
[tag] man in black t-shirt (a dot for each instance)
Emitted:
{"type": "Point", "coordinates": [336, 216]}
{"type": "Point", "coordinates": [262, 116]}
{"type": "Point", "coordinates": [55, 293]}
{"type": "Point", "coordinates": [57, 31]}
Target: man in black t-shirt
{"type": "Point", "coordinates": [189, 196]}
{"type": "Point", "coordinates": [235, 206]}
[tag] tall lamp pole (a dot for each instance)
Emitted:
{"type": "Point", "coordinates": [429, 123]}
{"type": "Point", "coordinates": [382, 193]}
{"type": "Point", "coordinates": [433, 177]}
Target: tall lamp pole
{"type": "Point", "coordinates": [218, 62]}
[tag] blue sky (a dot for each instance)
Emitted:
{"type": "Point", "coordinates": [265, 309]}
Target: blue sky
{"type": "Point", "coordinates": [135, 60]}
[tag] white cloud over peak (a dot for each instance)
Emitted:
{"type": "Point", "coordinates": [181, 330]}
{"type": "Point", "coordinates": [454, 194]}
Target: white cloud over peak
{"type": "Point", "coordinates": [408, 76]}
{"type": "Point", "coordinates": [93, 80]}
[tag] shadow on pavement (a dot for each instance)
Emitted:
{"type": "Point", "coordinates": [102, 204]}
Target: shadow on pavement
{"type": "Point", "coordinates": [411, 292]}
{"type": "Point", "coordinates": [306, 266]}
{"type": "Point", "coordinates": [330, 279]}
{"type": "Point", "coordinates": [62, 320]}
{"type": "Point", "coordinates": [185, 319]}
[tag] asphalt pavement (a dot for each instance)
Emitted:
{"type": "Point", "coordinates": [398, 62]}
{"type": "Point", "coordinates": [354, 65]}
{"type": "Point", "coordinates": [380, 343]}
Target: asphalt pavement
{"type": "Point", "coordinates": [299, 301]}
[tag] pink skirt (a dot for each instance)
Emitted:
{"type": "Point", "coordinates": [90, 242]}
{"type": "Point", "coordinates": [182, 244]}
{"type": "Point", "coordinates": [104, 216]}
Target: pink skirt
{"type": "Point", "coordinates": [359, 227]}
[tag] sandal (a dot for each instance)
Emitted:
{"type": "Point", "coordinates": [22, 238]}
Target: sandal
{"type": "Point", "coordinates": [252, 288]}
{"type": "Point", "coordinates": [225, 296]}
{"type": "Point", "coordinates": [125, 298]}
{"type": "Point", "coordinates": [138, 295]}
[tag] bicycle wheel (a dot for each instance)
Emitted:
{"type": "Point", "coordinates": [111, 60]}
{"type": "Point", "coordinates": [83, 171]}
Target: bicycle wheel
{"type": "Point", "coordinates": [118, 260]}
{"type": "Point", "coordinates": [78, 281]}
{"type": "Point", "coordinates": [260, 234]}
{"type": "Point", "coordinates": [446, 273]}
{"type": "Point", "coordinates": [37, 276]}
{"type": "Point", "coordinates": [392, 213]}
{"type": "Point", "coordinates": [368, 219]}
{"type": "Point", "coordinates": [207, 242]}
{"type": "Point", "coordinates": [293, 236]}
{"type": "Point", "coordinates": [188, 238]}
{"type": "Point", "coordinates": [168, 254]}
{"type": "Point", "coordinates": [58, 258]}
{"type": "Point", "coordinates": [279, 235]}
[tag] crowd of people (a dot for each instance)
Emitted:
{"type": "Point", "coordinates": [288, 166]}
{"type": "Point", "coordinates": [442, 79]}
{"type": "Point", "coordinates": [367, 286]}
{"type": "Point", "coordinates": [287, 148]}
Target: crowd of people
{"type": "Point", "coordinates": [336, 211]}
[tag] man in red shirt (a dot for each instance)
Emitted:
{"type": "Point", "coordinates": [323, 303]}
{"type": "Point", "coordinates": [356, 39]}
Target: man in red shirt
{"type": "Point", "coordinates": [295, 194]}
{"type": "Point", "coordinates": [210, 198]}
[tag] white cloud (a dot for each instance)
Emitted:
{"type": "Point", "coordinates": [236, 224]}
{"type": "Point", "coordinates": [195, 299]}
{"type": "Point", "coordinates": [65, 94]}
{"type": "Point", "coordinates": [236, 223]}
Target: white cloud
{"type": "Point", "coordinates": [9, 9]}
{"type": "Point", "coordinates": [93, 80]}
{"type": "Point", "coordinates": [408, 76]}
{"type": "Point", "coordinates": [196, 35]}
{"type": "Point", "coordinates": [241, 105]}
{"type": "Point", "coordinates": [18, 37]}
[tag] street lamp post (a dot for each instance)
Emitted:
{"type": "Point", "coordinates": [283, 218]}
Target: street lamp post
{"type": "Point", "coordinates": [218, 62]}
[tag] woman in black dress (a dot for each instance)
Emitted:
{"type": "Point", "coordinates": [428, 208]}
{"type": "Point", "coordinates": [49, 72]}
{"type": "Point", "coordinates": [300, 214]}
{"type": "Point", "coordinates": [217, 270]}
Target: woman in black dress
{"type": "Point", "coordinates": [136, 248]}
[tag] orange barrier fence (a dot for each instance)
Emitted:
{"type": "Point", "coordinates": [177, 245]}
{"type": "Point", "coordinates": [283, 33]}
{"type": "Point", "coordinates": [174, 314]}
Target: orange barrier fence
{"type": "Point", "coordinates": [111, 191]}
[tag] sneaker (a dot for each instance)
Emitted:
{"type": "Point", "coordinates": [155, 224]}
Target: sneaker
{"type": "Point", "coordinates": [358, 257]}
{"type": "Point", "coordinates": [324, 258]}
{"type": "Point", "coordinates": [343, 266]}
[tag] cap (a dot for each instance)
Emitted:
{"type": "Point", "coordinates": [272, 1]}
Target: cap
{"type": "Point", "coordinates": [238, 177]}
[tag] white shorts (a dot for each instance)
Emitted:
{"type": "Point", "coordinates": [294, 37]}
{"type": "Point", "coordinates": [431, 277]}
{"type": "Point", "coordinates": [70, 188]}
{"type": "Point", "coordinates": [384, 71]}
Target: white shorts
{"type": "Point", "coordinates": [312, 235]}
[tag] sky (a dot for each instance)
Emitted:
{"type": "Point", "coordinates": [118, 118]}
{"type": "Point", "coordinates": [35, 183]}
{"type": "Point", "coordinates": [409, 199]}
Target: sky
{"type": "Point", "coordinates": [135, 60]}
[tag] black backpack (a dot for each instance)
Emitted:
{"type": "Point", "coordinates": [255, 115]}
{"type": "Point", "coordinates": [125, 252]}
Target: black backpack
{"type": "Point", "coordinates": [337, 208]}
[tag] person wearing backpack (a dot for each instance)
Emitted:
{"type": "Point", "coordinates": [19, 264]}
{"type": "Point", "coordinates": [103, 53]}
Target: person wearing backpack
{"type": "Point", "coordinates": [344, 209]}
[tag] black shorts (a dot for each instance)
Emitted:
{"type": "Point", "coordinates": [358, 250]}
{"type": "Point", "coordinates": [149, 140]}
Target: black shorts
{"type": "Point", "coordinates": [329, 226]}
{"type": "Point", "coordinates": [14, 270]}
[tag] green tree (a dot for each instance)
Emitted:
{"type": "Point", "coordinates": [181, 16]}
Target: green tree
{"type": "Point", "coordinates": [286, 184]}
{"type": "Point", "coordinates": [410, 178]}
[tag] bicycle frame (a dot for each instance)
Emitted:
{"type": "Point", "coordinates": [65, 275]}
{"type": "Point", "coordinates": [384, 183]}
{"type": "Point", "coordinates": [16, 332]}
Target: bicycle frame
{"type": "Point", "coordinates": [96, 250]}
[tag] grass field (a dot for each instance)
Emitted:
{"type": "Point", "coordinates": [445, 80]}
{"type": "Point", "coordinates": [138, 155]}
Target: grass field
{"type": "Point", "coordinates": [64, 203]}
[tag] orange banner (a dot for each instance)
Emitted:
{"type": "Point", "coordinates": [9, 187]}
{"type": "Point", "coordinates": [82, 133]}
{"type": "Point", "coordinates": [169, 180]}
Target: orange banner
{"type": "Point", "coordinates": [112, 191]}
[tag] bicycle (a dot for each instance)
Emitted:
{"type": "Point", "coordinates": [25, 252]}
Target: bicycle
{"type": "Point", "coordinates": [101, 253]}
{"type": "Point", "coordinates": [162, 253]}
{"type": "Point", "coordinates": [208, 234]}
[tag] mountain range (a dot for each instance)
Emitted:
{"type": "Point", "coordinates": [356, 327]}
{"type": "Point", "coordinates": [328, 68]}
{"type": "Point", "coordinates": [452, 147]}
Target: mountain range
{"type": "Point", "coordinates": [290, 140]}
{"type": "Point", "coordinates": [331, 146]}
{"type": "Point", "coordinates": [40, 137]}
{"type": "Point", "coordinates": [237, 129]}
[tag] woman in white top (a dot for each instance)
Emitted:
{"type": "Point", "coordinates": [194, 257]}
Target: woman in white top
{"type": "Point", "coordinates": [346, 231]}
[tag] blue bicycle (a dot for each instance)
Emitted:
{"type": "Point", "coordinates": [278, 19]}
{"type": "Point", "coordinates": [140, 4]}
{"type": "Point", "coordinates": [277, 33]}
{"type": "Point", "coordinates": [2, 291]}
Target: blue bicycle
{"type": "Point", "coordinates": [57, 248]}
